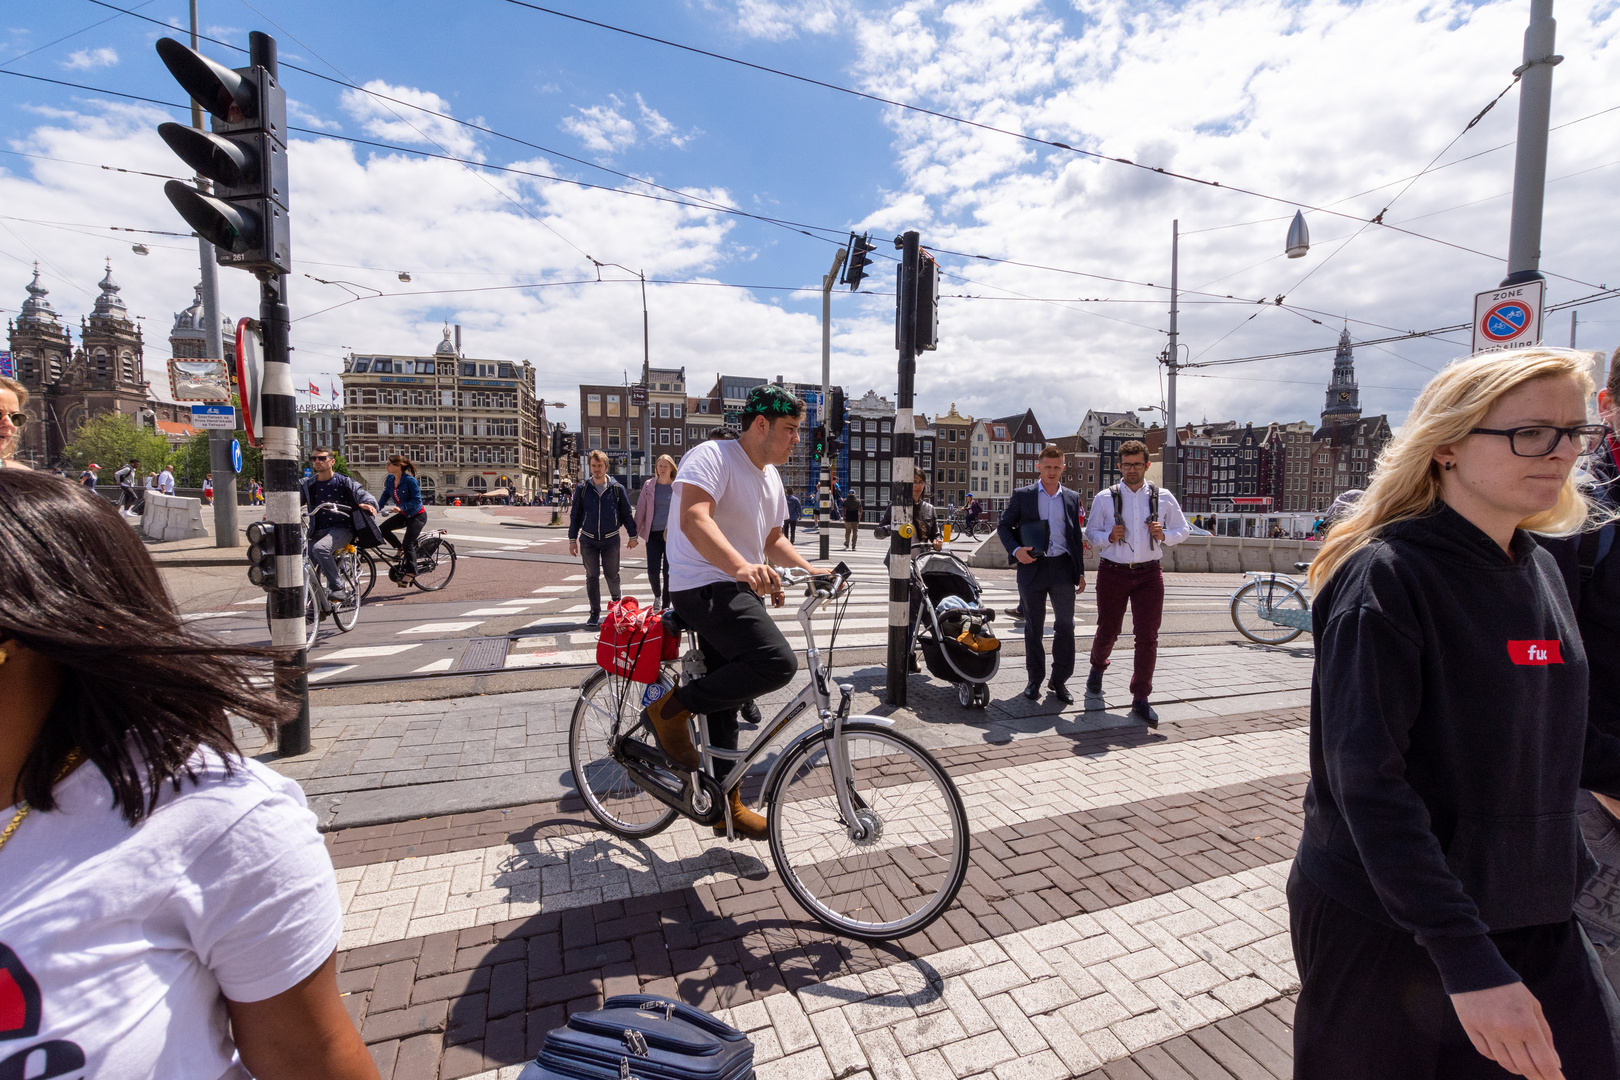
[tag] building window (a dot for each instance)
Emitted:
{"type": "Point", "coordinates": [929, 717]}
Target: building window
{"type": "Point", "coordinates": [663, 410]}
{"type": "Point", "coordinates": [593, 404]}
{"type": "Point", "coordinates": [594, 439]}
{"type": "Point", "coordinates": [613, 405]}
{"type": "Point", "coordinates": [678, 409]}
{"type": "Point", "coordinates": [613, 438]}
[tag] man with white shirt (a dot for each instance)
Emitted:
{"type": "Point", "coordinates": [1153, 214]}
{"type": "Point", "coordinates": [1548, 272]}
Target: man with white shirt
{"type": "Point", "coordinates": [1130, 524]}
{"type": "Point", "coordinates": [725, 537]}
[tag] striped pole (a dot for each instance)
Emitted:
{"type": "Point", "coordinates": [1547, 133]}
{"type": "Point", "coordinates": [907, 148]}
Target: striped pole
{"type": "Point", "coordinates": [900, 513]}
{"type": "Point", "coordinates": [279, 404]}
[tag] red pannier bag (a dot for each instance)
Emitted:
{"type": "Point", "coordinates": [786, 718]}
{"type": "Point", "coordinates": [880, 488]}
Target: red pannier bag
{"type": "Point", "coordinates": [634, 642]}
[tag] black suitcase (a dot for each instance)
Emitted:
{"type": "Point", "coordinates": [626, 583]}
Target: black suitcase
{"type": "Point", "coordinates": [644, 1037]}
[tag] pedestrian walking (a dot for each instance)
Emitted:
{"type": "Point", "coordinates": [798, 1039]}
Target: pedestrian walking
{"type": "Point", "coordinates": [88, 477]}
{"type": "Point", "coordinates": [330, 531]}
{"type": "Point", "coordinates": [13, 396]}
{"type": "Point", "coordinates": [852, 519]}
{"type": "Point", "coordinates": [790, 527]}
{"type": "Point", "coordinates": [1591, 566]}
{"type": "Point", "coordinates": [402, 488]}
{"type": "Point", "coordinates": [1431, 901]}
{"type": "Point", "coordinates": [1131, 523]}
{"type": "Point", "coordinates": [125, 478]}
{"type": "Point", "coordinates": [600, 510]}
{"type": "Point", "coordinates": [652, 522]}
{"type": "Point", "coordinates": [208, 490]}
{"type": "Point", "coordinates": [1040, 528]}
{"type": "Point", "coordinates": [165, 481]}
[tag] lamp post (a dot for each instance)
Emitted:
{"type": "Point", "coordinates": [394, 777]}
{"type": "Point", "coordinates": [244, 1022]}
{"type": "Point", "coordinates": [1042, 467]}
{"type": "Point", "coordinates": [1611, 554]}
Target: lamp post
{"type": "Point", "coordinates": [547, 476]}
{"type": "Point", "coordinates": [646, 364]}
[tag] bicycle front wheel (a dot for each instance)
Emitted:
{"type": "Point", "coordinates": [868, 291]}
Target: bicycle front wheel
{"type": "Point", "coordinates": [435, 563]}
{"type": "Point", "coordinates": [347, 613]}
{"type": "Point", "coordinates": [906, 870]}
{"type": "Point", "coordinates": [607, 709]}
{"type": "Point", "coordinates": [1254, 601]}
{"type": "Point", "coordinates": [366, 569]}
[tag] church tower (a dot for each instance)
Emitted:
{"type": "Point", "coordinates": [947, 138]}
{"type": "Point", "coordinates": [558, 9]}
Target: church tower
{"type": "Point", "coordinates": [110, 343]}
{"type": "Point", "coordinates": [1343, 404]}
{"type": "Point", "coordinates": [40, 351]}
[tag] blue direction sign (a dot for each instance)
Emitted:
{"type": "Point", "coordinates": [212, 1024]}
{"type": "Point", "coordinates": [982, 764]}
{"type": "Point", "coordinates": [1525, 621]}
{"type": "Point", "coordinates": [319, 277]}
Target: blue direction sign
{"type": "Point", "coordinates": [236, 456]}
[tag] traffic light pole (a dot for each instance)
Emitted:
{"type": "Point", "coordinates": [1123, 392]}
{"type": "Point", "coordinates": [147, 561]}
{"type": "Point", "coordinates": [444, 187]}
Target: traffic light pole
{"type": "Point", "coordinates": [1530, 161]}
{"type": "Point", "coordinates": [900, 506]}
{"type": "Point", "coordinates": [824, 488]}
{"type": "Point", "coordinates": [279, 404]}
{"type": "Point", "coordinates": [1172, 460]}
{"type": "Point", "coordinates": [219, 442]}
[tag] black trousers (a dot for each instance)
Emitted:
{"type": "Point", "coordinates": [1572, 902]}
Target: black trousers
{"type": "Point", "coordinates": [600, 557]}
{"type": "Point", "coordinates": [744, 651]}
{"type": "Point", "coordinates": [1371, 1005]}
{"type": "Point", "coordinates": [1054, 580]}
{"type": "Point", "coordinates": [790, 529]}
{"type": "Point", "coordinates": [413, 529]}
{"type": "Point", "coordinates": [657, 563]}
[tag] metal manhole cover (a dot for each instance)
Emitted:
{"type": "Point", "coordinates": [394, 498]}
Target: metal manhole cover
{"type": "Point", "coordinates": [484, 654]}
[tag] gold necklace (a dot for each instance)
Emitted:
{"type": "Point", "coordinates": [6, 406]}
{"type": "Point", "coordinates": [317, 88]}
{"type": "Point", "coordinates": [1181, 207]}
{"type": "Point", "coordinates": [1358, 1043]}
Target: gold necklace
{"type": "Point", "coordinates": [22, 809]}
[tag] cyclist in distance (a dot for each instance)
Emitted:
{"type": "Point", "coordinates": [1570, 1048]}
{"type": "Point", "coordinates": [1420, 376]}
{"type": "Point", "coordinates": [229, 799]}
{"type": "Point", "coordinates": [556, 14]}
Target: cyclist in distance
{"type": "Point", "coordinates": [331, 531]}
{"type": "Point", "coordinates": [728, 510]}
{"type": "Point", "coordinates": [402, 487]}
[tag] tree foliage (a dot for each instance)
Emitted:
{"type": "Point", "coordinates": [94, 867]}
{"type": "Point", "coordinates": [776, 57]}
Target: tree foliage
{"type": "Point", "coordinates": [112, 439]}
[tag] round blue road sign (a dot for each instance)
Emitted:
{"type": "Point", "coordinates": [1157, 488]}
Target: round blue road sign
{"type": "Point", "coordinates": [236, 456]}
{"type": "Point", "coordinates": [1505, 321]}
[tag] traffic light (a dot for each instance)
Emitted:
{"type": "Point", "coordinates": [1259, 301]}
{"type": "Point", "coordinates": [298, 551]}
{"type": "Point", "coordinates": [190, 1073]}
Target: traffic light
{"type": "Point", "coordinates": [245, 156]}
{"type": "Point", "coordinates": [927, 316]}
{"type": "Point", "coordinates": [261, 553]}
{"type": "Point", "coordinates": [818, 443]}
{"type": "Point", "coordinates": [835, 416]}
{"type": "Point", "coordinates": [859, 259]}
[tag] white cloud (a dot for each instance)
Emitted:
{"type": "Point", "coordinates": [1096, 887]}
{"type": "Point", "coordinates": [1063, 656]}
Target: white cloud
{"type": "Point", "coordinates": [396, 121]}
{"type": "Point", "coordinates": [777, 20]}
{"type": "Point", "coordinates": [606, 130]}
{"type": "Point", "coordinates": [91, 59]}
{"type": "Point", "coordinates": [300, 114]}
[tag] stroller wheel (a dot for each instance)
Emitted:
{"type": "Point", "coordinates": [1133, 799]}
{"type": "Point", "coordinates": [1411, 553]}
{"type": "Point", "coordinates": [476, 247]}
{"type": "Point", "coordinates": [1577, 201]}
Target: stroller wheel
{"type": "Point", "coordinates": [981, 695]}
{"type": "Point", "coordinates": [967, 694]}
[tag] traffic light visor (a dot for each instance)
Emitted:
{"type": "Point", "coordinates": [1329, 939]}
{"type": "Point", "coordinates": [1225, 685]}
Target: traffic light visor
{"type": "Point", "coordinates": [218, 159]}
{"type": "Point", "coordinates": [221, 224]}
{"type": "Point", "coordinates": [215, 87]}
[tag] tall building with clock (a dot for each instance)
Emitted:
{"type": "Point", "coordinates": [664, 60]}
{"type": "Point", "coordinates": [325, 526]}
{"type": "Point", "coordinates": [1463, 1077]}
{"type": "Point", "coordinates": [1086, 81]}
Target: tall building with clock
{"type": "Point", "coordinates": [1343, 396]}
{"type": "Point", "coordinates": [1345, 448]}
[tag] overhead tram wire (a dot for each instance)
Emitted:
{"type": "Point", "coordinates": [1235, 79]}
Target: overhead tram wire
{"type": "Point", "coordinates": [831, 86]}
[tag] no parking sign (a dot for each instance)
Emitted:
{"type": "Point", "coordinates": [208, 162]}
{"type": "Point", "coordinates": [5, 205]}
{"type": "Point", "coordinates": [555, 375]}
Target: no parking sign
{"type": "Point", "coordinates": [1505, 318]}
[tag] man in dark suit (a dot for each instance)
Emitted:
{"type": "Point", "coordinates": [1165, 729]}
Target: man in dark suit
{"type": "Point", "coordinates": [1041, 531]}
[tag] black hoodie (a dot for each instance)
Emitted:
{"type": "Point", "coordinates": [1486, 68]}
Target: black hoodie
{"type": "Point", "coordinates": [1448, 741]}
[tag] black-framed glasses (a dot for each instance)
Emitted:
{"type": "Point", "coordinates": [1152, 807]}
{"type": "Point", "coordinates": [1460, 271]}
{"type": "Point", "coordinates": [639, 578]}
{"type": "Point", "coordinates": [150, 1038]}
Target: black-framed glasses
{"type": "Point", "coordinates": [18, 419]}
{"type": "Point", "coordinates": [1542, 439]}
{"type": "Point", "coordinates": [321, 457]}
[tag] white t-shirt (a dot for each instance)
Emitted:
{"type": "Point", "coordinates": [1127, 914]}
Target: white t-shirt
{"type": "Point", "coordinates": [116, 944]}
{"type": "Point", "coordinates": [748, 504]}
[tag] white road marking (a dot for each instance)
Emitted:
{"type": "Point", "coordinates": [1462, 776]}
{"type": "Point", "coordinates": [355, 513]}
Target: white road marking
{"type": "Point", "coordinates": [362, 651]}
{"type": "Point", "coordinates": [327, 673]}
{"type": "Point", "coordinates": [493, 611]}
{"type": "Point", "coordinates": [441, 627]}
{"type": "Point", "coordinates": [437, 665]}
{"type": "Point", "coordinates": [213, 614]}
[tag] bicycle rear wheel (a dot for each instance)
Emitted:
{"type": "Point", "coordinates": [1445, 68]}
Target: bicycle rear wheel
{"type": "Point", "coordinates": [366, 569]}
{"type": "Point", "coordinates": [606, 709]}
{"type": "Point", "coordinates": [906, 871]}
{"type": "Point", "coordinates": [435, 563]}
{"type": "Point", "coordinates": [1251, 603]}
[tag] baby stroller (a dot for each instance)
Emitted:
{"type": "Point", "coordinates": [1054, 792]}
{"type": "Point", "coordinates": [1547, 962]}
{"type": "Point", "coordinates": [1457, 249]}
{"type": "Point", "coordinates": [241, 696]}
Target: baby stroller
{"type": "Point", "coordinates": [953, 629]}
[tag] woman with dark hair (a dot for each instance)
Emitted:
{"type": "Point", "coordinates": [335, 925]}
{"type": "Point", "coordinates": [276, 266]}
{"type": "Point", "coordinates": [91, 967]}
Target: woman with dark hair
{"type": "Point", "coordinates": [167, 906]}
{"type": "Point", "coordinates": [402, 487]}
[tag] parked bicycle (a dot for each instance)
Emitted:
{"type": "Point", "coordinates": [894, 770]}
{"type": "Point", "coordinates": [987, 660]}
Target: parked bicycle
{"type": "Point", "coordinates": [435, 563]}
{"type": "Point", "coordinates": [1272, 609]}
{"type": "Point", "coordinates": [867, 829]}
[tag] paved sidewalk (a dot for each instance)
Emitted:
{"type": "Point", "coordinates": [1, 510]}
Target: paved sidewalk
{"type": "Point", "coordinates": [374, 764]}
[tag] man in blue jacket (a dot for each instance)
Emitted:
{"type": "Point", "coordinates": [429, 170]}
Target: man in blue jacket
{"type": "Point", "coordinates": [601, 509]}
{"type": "Point", "coordinates": [1041, 531]}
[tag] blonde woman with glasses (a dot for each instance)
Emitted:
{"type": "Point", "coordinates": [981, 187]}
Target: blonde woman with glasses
{"type": "Point", "coordinates": [13, 396]}
{"type": "Point", "coordinates": [1431, 901]}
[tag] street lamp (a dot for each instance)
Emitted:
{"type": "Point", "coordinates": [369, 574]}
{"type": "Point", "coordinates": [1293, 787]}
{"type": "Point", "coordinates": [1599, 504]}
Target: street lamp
{"type": "Point", "coordinates": [1299, 236]}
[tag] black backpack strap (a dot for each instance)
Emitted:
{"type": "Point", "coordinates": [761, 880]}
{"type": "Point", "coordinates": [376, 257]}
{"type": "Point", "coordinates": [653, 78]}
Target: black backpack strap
{"type": "Point", "coordinates": [1595, 546]}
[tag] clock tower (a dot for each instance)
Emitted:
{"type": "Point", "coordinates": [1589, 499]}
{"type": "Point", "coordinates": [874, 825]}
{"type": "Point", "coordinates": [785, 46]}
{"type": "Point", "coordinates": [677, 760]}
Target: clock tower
{"type": "Point", "coordinates": [1343, 403]}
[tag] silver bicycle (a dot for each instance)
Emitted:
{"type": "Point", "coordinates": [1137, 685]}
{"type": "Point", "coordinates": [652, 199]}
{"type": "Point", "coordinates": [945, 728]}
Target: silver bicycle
{"type": "Point", "coordinates": [1272, 609]}
{"type": "Point", "coordinates": [318, 602]}
{"type": "Point", "coordinates": [867, 829]}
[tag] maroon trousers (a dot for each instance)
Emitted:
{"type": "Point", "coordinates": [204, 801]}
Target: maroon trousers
{"type": "Point", "coordinates": [1143, 589]}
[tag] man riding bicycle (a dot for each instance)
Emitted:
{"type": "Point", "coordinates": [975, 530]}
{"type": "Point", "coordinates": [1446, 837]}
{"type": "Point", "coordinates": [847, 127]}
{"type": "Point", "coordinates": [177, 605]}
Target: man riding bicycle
{"type": "Point", "coordinates": [729, 506]}
{"type": "Point", "coordinates": [331, 531]}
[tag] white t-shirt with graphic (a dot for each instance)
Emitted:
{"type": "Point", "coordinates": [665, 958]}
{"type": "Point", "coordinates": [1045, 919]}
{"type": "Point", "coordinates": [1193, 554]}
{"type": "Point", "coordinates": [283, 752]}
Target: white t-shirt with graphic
{"type": "Point", "coordinates": [748, 504]}
{"type": "Point", "coordinates": [118, 946]}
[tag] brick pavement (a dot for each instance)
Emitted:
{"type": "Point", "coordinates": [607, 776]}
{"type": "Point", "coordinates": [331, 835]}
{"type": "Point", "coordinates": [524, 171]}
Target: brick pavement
{"type": "Point", "coordinates": [1104, 924]}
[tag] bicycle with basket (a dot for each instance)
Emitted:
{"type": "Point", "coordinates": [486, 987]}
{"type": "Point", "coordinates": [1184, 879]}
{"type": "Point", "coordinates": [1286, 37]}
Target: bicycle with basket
{"type": "Point", "coordinates": [866, 828]}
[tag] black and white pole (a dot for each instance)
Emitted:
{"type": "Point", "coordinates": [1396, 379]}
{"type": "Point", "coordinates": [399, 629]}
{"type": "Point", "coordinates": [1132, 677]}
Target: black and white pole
{"type": "Point", "coordinates": [900, 513]}
{"type": "Point", "coordinates": [279, 404]}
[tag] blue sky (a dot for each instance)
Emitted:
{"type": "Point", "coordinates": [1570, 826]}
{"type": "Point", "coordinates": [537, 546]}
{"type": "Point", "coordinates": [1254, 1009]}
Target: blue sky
{"type": "Point", "coordinates": [1312, 100]}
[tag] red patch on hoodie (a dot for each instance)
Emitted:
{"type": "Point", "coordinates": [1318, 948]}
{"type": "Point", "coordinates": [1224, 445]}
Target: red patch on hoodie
{"type": "Point", "coordinates": [1535, 653]}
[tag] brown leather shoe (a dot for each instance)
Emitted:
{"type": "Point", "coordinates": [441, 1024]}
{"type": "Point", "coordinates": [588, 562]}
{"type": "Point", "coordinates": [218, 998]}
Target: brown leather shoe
{"type": "Point", "coordinates": [668, 718]}
{"type": "Point", "coordinates": [744, 822]}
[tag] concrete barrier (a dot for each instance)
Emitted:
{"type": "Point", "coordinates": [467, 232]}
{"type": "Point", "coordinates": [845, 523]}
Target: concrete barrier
{"type": "Point", "coordinates": [169, 517]}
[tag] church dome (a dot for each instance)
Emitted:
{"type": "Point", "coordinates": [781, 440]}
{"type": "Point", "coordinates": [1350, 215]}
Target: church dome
{"type": "Point", "coordinates": [109, 305]}
{"type": "Point", "coordinates": [191, 318]}
{"type": "Point", "coordinates": [37, 309]}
